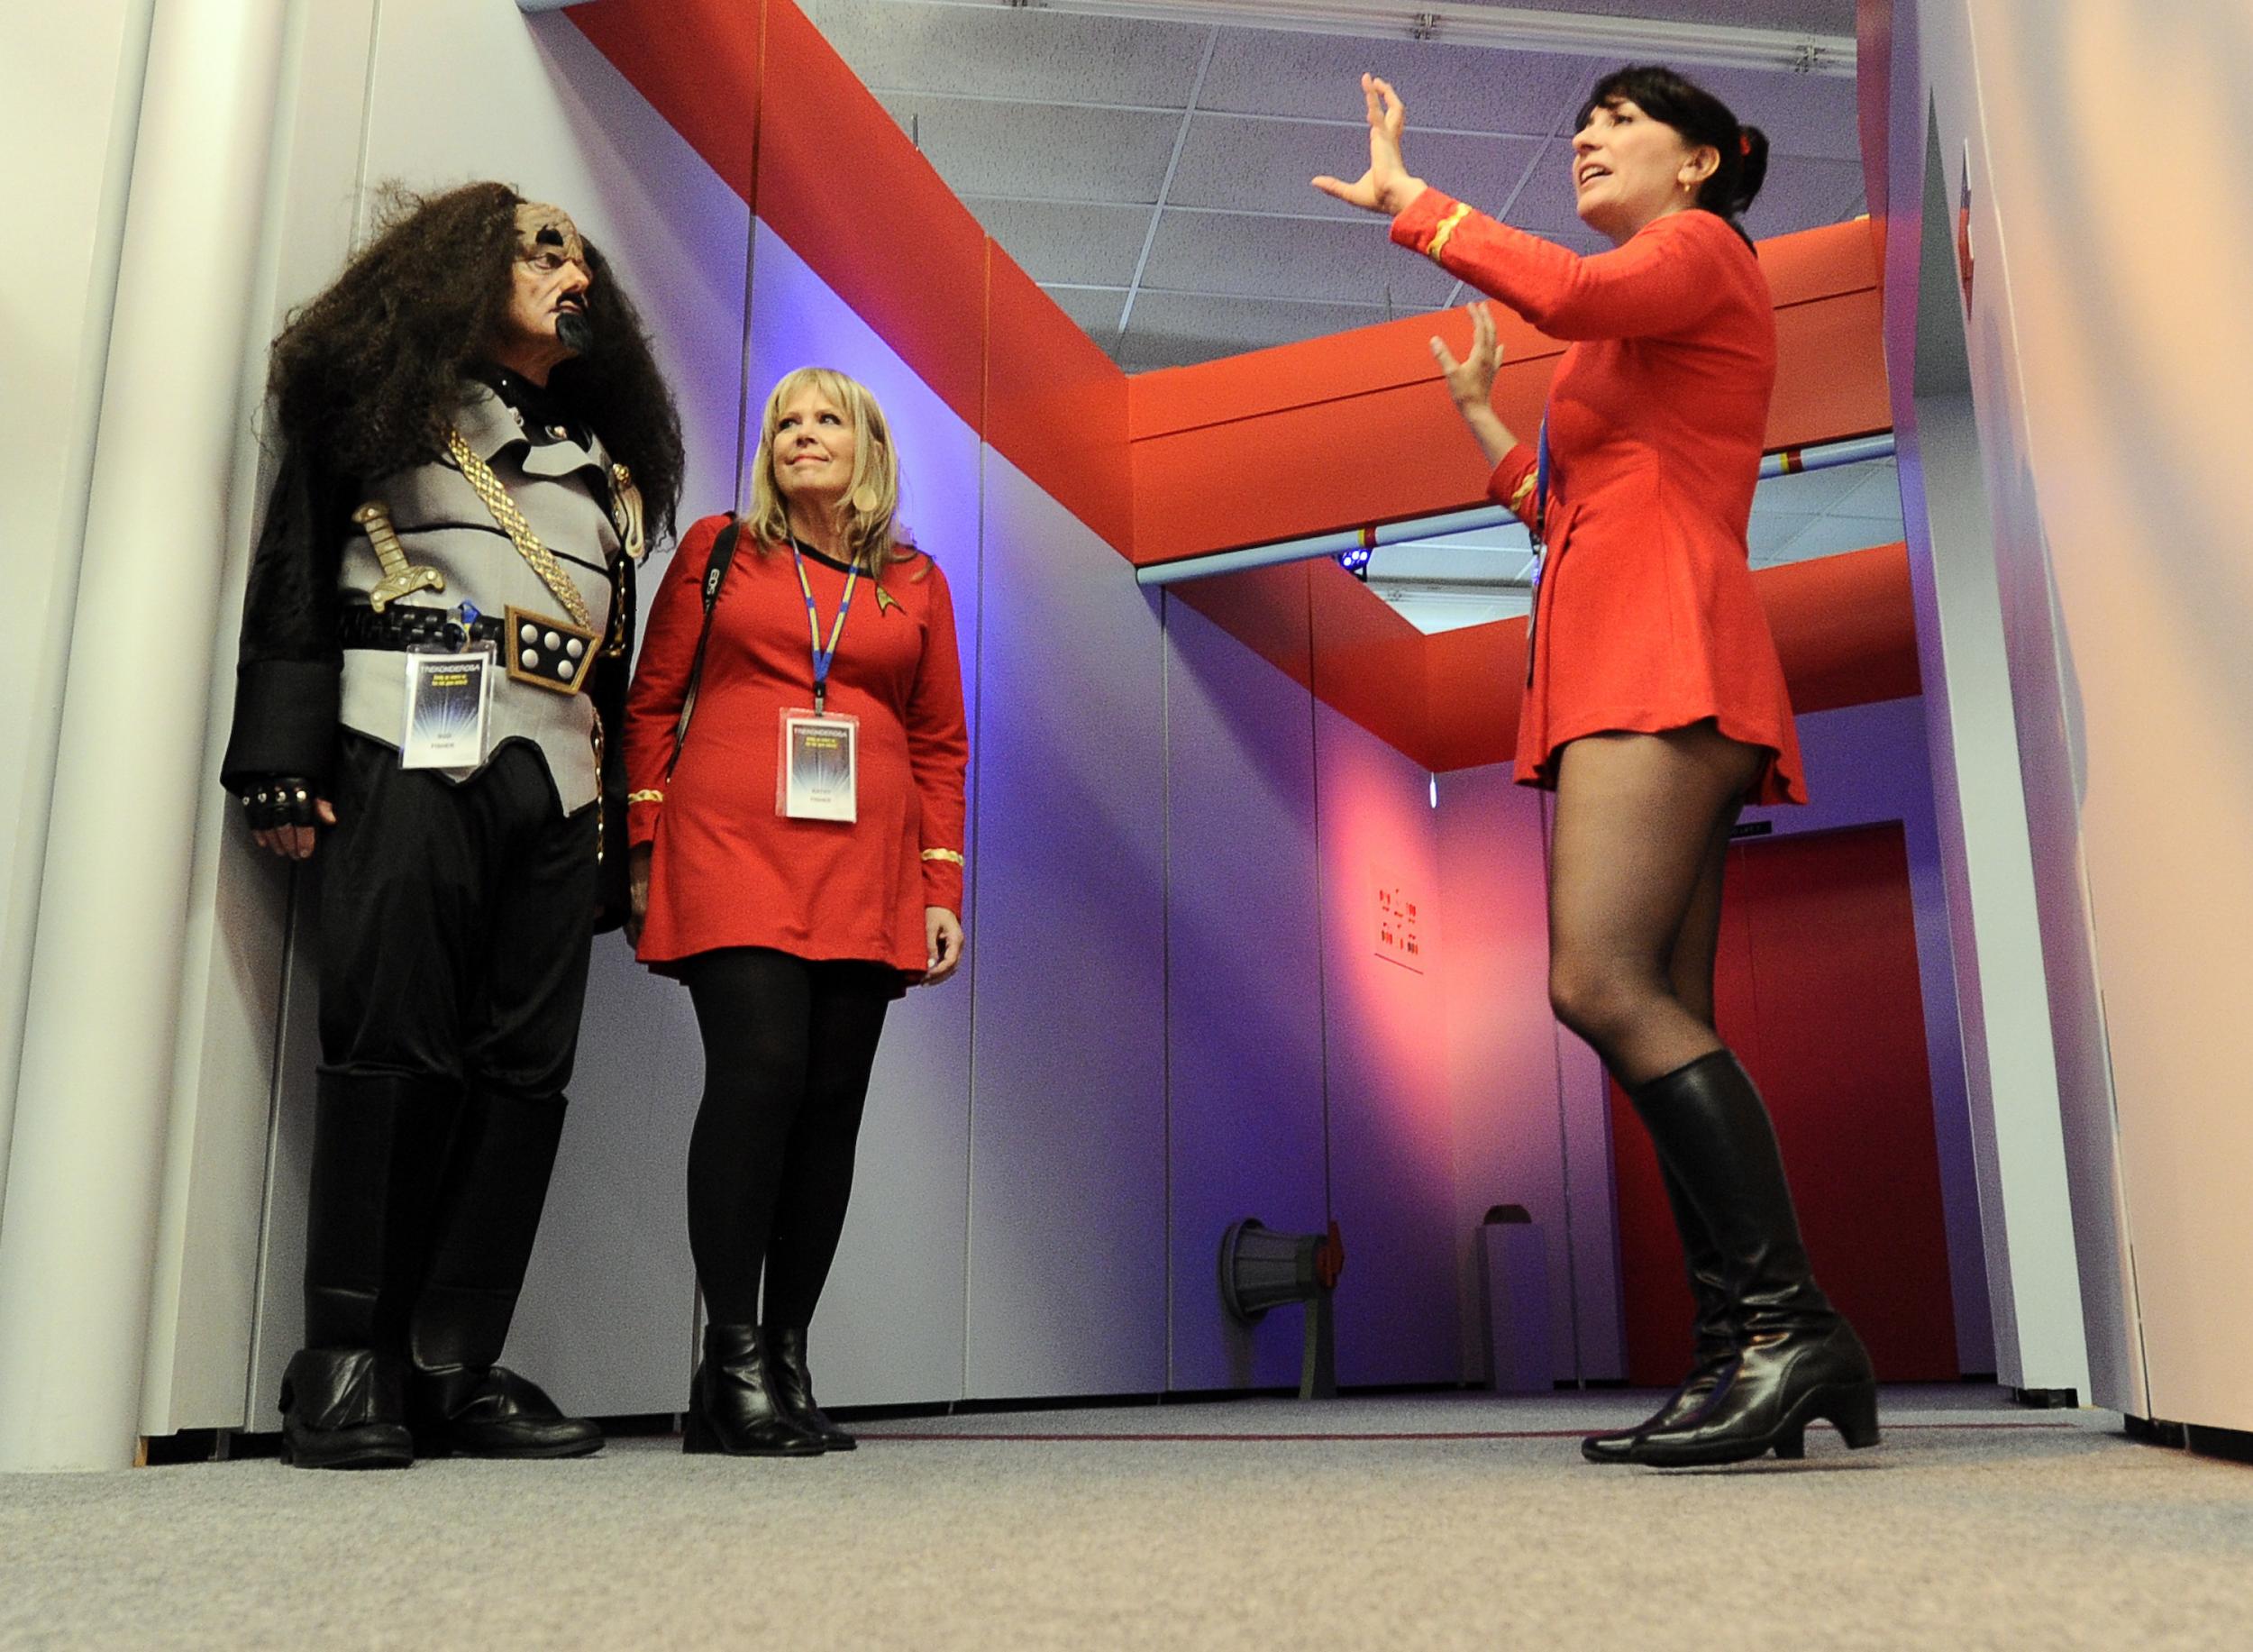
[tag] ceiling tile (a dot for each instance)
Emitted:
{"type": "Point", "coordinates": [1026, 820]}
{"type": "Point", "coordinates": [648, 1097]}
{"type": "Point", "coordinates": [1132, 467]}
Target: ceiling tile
{"type": "Point", "coordinates": [1878, 498]}
{"type": "Point", "coordinates": [1807, 492]}
{"type": "Point", "coordinates": [1096, 310]}
{"type": "Point", "coordinates": [1470, 88]}
{"type": "Point", "coordinates": [1830, 535]}
{"type": "Point", "coordinates": [1043, 151]}
{"type": "Point", "coordinates": [1546, 205]}
{"type": "Point", "coordinates": [1291, 258]}
{"type": "Point", "coordinates": [1264, 164]}
{"type": "Point", "coordinates": [1055, 240]}
{"type": "Point", "coordinates": [1176, 329]}
{"type": "Point", "coordinates": [1802, 114]}
{"type": "Point", "coordinates": [1801, 194]}
{"type": "Point", "coordinates": [1772, 532]}
{"type": "Point", "coordinates": [1030, 55]}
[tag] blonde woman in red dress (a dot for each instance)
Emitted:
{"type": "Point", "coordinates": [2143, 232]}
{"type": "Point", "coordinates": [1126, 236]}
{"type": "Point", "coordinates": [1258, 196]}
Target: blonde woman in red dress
{"type": "Point", "coordinates": [1654, 704]}
{"type": "Point", "coordinates": [798, 862]}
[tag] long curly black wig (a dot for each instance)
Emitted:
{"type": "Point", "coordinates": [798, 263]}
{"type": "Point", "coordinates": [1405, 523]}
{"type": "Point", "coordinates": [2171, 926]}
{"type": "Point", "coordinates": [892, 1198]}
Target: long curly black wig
{"type": "Point", "coordinates": [369, 372]}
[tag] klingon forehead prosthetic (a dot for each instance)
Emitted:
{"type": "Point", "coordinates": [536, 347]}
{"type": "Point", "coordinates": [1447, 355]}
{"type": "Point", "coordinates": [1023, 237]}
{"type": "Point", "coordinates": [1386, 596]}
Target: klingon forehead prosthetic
{"type": "Point", "coordinates": [540, 228]}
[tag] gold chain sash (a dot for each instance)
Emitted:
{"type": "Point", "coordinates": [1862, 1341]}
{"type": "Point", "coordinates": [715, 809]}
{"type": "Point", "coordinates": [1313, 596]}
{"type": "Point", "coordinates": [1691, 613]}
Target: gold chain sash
{"type": "Point", "coordinates": [495, 493]}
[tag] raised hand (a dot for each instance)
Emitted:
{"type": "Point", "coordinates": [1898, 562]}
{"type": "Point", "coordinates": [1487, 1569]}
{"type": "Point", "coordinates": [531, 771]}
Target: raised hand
{"type": "Point", "coordinates": [1471, 381]}
{"type": "Point", "coordinates": [1387, 187]}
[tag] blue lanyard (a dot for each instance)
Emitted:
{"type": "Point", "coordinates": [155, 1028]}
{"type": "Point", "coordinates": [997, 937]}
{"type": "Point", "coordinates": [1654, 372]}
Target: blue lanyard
{"type": "Point", "coordinates": [1538, 527]}
{"type": "Point", "coordinates": [823, 657]}
{"type": "Point", "coordinates": [1541, 479]}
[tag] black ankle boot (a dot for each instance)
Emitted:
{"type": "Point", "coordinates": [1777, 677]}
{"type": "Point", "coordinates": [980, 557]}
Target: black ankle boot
{"type": "Point", "coordinates": [793, 1388]}
{"type": "Point", "coordinates": [462, 1411]}
{"type": "Point", "coordinates": [1714, 1346]}
{"type": "Point", "coordinates": [732, 1408]}
{"type": "Point", "coordinates": [342, 1407]}
{"type": "Point", "coordinates": [1798, 1361]}
{"type": "Point", "coordinates": [487, 1215]}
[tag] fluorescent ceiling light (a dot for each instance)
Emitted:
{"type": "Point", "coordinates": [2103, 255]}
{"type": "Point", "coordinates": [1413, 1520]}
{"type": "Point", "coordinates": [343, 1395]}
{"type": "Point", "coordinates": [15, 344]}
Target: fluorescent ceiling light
{"type": "Point", "coordinates": [1638, 39]}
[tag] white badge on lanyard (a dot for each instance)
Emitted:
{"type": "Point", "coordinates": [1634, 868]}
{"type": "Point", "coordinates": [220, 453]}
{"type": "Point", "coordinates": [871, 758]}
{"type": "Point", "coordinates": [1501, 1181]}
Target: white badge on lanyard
{"type": "Point", "coordinates": [821, 766]}
{"type": "Point", "coordinates": [447, 697]}
{"type": "Point", "coordinates": [818, 771]}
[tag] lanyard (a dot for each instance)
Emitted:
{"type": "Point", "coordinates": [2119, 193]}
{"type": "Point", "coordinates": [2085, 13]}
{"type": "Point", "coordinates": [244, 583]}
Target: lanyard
{"type": "Point", "coordinates": [1540, 544]}
{"type": "Point", "coordinates": [823, 657]}
{"type": "Point", "coordinates": [1541, 479]}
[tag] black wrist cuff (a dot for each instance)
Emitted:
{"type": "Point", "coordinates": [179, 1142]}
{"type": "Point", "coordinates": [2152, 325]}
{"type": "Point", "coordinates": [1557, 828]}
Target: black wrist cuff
{"type": "Point", "coordinates": [280, 800]}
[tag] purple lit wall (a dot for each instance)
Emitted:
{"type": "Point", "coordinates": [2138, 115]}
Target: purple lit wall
{"type": "Point", "coordinates": [1391, 1135]}
{"type": "Point", "coordinates": [1243, 989]}
{"type": "Point", "coordinates": [1067, 1218]}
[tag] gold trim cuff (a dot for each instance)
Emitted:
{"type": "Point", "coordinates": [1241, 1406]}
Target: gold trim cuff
{"type": "Point", "coordinates": [948, 855]}
{"type": "Point", "coordinates": [645, 796]}
{"type": "Point", "coordinates": [1448, 226]}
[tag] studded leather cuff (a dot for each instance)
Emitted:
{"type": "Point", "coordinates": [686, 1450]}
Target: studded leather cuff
{"type": "Point", "coordinates": [280, 800]}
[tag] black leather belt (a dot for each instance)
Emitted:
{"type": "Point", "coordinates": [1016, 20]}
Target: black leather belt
{"type": "Point", "coordinates": [403, 625]}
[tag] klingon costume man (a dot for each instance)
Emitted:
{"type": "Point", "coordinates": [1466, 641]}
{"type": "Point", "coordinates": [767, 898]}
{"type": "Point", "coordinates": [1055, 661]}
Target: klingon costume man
{"type": "Point", "coordinates": [473, 434]}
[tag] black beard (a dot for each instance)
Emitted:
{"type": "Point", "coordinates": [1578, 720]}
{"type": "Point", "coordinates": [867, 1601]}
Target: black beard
{"type": "Point", "coordinates": [574, 332]}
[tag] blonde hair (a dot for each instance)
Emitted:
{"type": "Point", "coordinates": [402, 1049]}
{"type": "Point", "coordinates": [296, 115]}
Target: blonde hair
{"type": "Point", "coordinates": [870, 507]}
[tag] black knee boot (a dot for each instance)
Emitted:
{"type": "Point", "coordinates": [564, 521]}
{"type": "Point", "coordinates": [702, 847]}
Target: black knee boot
{"type": "Point", "coordinates": [1798, 1361]}
{"type": "Point", "coordinates": [377, 1142]}
{"type": "Point", "coordinates": [732, 1408]}
{"type": "Point", "coordinates": [1714, 1344]}
{"type": "Point", "coordinates": [488, 1214]}
{"type": "Point", "coordinates": [793, 1386]}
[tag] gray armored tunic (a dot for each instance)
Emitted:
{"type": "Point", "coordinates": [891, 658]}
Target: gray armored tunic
{"type": "Point", "coordinates": [308, 664]}
{"type": "Point", "coordinates": [443, 524]}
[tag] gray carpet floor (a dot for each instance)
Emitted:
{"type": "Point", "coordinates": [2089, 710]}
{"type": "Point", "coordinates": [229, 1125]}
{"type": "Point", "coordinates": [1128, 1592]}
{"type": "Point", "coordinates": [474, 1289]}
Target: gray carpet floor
{"type": "Point", "coordinates": [1458, 1521]}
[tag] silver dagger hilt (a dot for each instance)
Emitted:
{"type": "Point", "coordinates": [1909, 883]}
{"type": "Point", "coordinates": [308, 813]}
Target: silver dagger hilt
{"type": "Point", "coordinates": [399, 576]}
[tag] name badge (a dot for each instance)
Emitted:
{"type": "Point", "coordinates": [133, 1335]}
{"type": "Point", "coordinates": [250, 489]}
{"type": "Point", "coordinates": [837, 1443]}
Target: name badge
{"type": "Point", "coordinates": [447, 698]}
{"type": "Point", "coordinates": [820, 776]}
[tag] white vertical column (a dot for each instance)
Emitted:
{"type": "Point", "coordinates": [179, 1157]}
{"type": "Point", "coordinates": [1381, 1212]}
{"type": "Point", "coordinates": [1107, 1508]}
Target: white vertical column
{"type": "Point", "coordinates": [1979, 798]}
{"type": "Point", "coordinates": [78, 1235]}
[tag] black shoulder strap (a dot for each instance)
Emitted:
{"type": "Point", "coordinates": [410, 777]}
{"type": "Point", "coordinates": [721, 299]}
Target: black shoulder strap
{"type": "Point", "coordinates": [714, 571]}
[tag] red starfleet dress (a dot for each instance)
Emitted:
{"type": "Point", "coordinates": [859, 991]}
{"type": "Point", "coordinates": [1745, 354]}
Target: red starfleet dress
{"type": "Point", "coordinates": [1647, 616]}
{"type": "Point", "coordinates": [725, 868]}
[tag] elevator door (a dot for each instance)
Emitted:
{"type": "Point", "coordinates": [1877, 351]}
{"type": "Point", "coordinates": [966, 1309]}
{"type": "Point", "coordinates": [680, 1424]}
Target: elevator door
{"type": "Point", "coordinates": [1817, 992]}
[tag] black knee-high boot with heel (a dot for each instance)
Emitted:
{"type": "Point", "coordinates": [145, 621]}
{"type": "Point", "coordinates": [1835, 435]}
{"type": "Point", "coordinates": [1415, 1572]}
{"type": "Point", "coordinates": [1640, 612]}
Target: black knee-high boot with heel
{"type": "Point", "coordinates": [1713, 1347]}
{"type": "Point", "coordinates": [1798, 1361]}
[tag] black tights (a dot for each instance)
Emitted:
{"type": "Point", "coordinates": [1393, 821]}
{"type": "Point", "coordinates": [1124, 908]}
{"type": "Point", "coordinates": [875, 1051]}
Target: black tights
{"type": "Point", "coordinates": [1636, 857]}
{"type": "Point", "coordinates": [787, 1048]}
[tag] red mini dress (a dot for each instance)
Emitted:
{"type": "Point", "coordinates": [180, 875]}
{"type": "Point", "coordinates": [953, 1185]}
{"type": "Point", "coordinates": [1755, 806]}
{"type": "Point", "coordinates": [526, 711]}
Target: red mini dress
{"type": "Point", "coordinates": [1647, 619]}
{"type": "Point", "coordinates": [725, 868]}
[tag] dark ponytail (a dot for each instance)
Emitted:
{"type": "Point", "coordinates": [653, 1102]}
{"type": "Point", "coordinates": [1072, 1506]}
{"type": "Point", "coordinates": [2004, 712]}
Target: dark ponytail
{"type": "Point", "coordinates": [1704, 121]}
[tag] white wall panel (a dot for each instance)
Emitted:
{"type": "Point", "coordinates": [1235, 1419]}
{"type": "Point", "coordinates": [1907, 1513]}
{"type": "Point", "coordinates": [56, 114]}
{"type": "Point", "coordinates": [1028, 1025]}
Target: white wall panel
{"type": "Point", "coordinates": [2059, 705]}
{"type": "Point", "coordinates": [238, 1075]}
{"type": "Point", "coordinates": [1392, 1134]}
{"type": "Point", "coordinates": [1068, 1231]}
{"type": "Point", "coordinates": [1243, 990]}
{"type": "Point", "coordinates": [70, 94]}
{"type": "Point", "coordinates": [890, 1329]}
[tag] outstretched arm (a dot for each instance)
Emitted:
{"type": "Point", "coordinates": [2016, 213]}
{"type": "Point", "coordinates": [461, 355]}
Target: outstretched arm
{"type": "Point", "coordinates": [1664, 281]}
